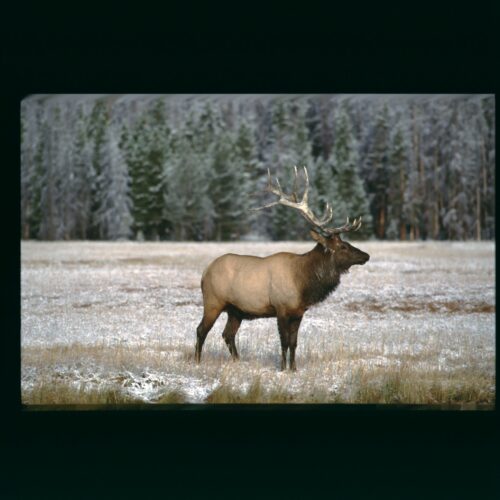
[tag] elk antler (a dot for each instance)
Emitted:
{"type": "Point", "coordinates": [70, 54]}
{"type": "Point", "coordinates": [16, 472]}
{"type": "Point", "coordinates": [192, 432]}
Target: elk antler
{"type": "Point", "coordinates": [354, 226]}
{"type": "Point", "coordinates": [303, 207]}
{"type": "Point", "coordinates": [291, 201]}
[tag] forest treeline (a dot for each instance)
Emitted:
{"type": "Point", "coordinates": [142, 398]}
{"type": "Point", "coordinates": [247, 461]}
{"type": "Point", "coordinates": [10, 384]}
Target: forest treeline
{"type": "Point", "coordinates": [170, 167]}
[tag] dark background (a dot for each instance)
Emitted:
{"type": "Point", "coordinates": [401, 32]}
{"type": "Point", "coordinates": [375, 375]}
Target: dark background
{"type": "Point", "coordinates": [187, 453]}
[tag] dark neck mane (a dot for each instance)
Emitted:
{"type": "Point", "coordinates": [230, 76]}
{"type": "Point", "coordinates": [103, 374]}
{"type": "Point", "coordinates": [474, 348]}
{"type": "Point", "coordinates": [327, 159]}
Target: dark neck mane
{"type": "Point", "coordinates": [319, 275]}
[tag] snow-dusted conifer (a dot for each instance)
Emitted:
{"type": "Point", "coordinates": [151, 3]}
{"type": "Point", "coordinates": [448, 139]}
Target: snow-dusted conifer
{"type": "Point", "coordinates": [378, 173]}
{"type": "Point", "coordinates": [290, 147]}
{"type": "Point", "coordinates": [115, 216]}
{"type": "Point", "coordinates": [348, 197]}
{"type": "Point", "coordinates": [398, 179]}
{"type": "Point", "coordinates": [145, 150]}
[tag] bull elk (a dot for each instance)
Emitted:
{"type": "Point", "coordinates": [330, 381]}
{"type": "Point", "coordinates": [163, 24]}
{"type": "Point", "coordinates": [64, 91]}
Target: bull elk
{"type": "Point", "coordinates": [283, 285]}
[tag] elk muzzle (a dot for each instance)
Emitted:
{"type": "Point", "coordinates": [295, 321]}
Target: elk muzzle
{"type": "Point", "coordinates": [362, 258]}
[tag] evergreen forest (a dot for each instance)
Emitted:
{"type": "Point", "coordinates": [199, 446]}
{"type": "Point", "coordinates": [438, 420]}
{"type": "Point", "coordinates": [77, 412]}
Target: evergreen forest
{"type": "Point", "coordinates": [190, 167]}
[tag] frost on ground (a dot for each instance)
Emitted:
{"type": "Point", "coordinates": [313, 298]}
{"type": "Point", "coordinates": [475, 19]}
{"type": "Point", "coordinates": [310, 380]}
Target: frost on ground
{"type": "Point", "coordinates": [122, 316]}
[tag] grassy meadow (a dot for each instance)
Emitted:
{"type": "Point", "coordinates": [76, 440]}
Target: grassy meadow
{"type": "Point", "coordinates": [107, 323]}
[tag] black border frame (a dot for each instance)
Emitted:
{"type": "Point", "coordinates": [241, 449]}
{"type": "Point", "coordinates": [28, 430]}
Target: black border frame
{"type": "Point", "coordinates": [263, 451]}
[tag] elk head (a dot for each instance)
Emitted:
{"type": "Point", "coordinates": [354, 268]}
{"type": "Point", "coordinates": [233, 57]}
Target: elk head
{"type": "Point", "coordinates": [343, 254]}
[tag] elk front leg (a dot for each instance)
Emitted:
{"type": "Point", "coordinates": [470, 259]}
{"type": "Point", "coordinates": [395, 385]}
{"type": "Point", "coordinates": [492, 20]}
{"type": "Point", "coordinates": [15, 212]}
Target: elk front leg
{"type": "Point", "coordinates": [294, 325]}
{"type": "Point", "coordinates": [283, 331]}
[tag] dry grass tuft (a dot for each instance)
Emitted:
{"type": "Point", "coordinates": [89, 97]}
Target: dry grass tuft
{"type": "Point", "coordinates": [174, 397]}
{"type": "Point", "coordinates": [406, 386]}
{"type": "Point", "coordinates": [428, 307]}
{"type": "Point", "coordinates": [65, 393]}
{"type": "Point", "coordinates": [374, 386]}
{"type": "Point", "coordinates": [256, 393]}
{"type": "Point", "coordinates": [69, 393]}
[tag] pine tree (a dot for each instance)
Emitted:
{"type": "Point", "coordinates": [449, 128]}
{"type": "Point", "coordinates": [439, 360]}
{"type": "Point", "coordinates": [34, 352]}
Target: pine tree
{"type": "Point", "coordinates": [97, 133]}
{"type": "Point", "coordinates": [187, 204]}
{"type": "Point", "coordinates": [30, 169]}
{"type": "Point", "coordinates": [51, 175]}
{"type": "Point", "coordinates": [487, 147]}
{"type": "Point", "coordinates": [145, 151]}
{"type": "Point", "coordinates": [433, 132]}
{"type": "Point", "coordinates": [174, 204]}
{"type": "Point", "coordinates": [134, 145]}
{"type": "Point", "coordinates": [456, 220]}
{"type": "Point", "coordinates": [398, 180]}
{"type": "Point", "coordinates": [319, 127]}
{"type": "Point", "coordinates": [378, 175]}
{"type": "Point", "coordinates": [349, 198]}
{"type": "Point", "coordinates": [248, 169]}
{"type": "Point", "coordinates": [290, 147]}
{"type": "Point", "coordinates": [115, 215]}
{"type": "Point", "coordinates": [65, 167]}
{"type": "Point", "coordinates": [323, 184]}
{"type": "Point", "coordinates": [224, 188]}
{"type": "Point", "coordinates": [81, 148]}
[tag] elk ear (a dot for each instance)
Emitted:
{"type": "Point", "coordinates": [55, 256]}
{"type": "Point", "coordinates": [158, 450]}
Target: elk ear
{"type": "Point", "coordinates": [336, 239]}
{"type": "Point", "coordinates": [318, 237]}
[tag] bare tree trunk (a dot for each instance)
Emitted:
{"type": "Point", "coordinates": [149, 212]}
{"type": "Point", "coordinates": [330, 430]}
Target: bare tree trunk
{"type": "Point", "coordinates": [415, 224]}
{"type": "Point", "coordinates": [435, 229]}
{"type": "Point", "coordinates": [484, 188]}
{"type": "Point", "coordinates": [423, 223]}
{"type": "Point", "coordinates": [381, 223]}
{"type": "Point", "coordinates": [483, 166]}
{"type": "Point", "coordinates": [402, 187]}
{"type": "Point", "coordinates": [435, 219]}
{"type": "Point", "coordinates": [402, 231]}
{"type": "Point", "coordinates": [51, 233]}
{"type": "Point", "coordinates": [478, 213]}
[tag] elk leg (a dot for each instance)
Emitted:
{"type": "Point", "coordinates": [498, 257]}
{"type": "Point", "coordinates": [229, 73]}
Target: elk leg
{"type": "Point", "coordinates": [292, 339]}
{"type": "Point", "coordinates": [283, 331]}
{"type": "Point", "coordinates": [204, 327]}
{"type": "Point", "coordinates": [229, 333]}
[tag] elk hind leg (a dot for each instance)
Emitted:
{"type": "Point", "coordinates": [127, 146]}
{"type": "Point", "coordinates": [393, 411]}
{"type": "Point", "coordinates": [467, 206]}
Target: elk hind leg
{"type": "Point", "coordinates": [208, 320]}
{"type": "Point", "coordinates": [283, 331]}
{"type": "Point", "coordinates": [294, 324]}
{"type": "Point", "coordinates": [229, 333]}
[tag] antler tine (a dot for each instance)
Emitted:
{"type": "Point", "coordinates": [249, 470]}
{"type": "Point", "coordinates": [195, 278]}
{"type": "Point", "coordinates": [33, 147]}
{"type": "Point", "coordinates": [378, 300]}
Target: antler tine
{"type": "Point", "coordinates": [295, 183]}
{"type": "Point", "coordinates": [327, 215]}
{"type": "Point", "coordinates": [354, 226]}
{"type": "Point", "coordinates": [269, 179]}
{"type": "Point", "coordinates": [270, 188]}
{"type": "Point", "coordinates": [280, 191]}
{"type": "Point", "coordinates": [306, 191]}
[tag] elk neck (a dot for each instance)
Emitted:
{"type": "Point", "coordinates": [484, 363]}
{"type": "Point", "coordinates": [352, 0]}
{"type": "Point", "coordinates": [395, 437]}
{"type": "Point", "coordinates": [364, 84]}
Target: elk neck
{"type": "Point", "coordinates": [318, 275]}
